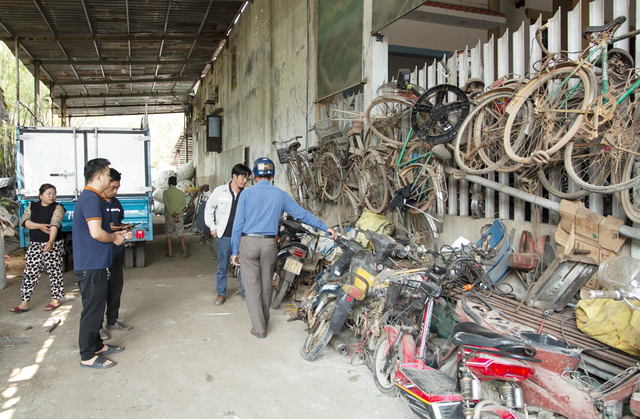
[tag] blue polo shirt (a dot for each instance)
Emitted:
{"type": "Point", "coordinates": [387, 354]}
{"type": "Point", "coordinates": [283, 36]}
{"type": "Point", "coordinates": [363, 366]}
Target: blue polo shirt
{"type": "Point", "coordinates": [259, 210]}
{"type": "Point", "coordinates": [89, 253]}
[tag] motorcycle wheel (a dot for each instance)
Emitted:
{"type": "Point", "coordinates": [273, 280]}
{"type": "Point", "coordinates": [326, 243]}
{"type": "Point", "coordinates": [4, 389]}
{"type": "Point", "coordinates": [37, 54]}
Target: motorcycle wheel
{"type": "Point", "coordinates": [384, 380]}
{"type": "Point", "coordinates": [320, 335]}
{"type": "Point", "coordinates": [279, 286]}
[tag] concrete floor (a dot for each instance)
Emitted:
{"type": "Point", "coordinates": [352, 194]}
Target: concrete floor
{"type": "Point", "coordinates": [184, 356]}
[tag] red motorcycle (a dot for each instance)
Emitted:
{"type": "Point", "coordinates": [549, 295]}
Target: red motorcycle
{"type": "Point", "coordinates": [477, 376]}
{"type": "Point", "coordinates": [558, 386]}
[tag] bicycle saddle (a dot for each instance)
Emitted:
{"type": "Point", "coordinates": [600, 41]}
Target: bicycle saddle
{"type": "Point", "coordinates": [294, 145]}
{"type": "Point", "coordinates": [614, 24]}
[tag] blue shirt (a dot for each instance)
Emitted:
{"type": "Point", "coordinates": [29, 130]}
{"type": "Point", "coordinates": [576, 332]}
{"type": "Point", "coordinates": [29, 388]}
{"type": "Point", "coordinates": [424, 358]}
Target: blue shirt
{"type": "Point", "coordinates": [115, 214]}
{"type": "Point", "coordinates": [260, 208]}
{"type": "Point", "coordinates": [89, 253]}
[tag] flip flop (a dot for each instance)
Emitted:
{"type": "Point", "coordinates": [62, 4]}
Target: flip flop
{"type": "Point", "coordinates": [99, 364]}
{"type": "Point", "coordinates": [259, 335]}
{"type": "Point", "coordinates": [51, 307]}
{"type": "Point", "coordinates": [18, 310]}
{"type": "Point", "coordinates": [111, 350]}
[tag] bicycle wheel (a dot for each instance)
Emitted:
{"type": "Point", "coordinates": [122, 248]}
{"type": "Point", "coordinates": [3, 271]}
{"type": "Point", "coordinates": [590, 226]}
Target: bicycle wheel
{"type": "Point", "coordinates": [630, 197]}
{"type": "Point", "coordinates": [348, 209]}
{"type": "Point", "coordinates": [427, 186]}
{"type": "Point", "coordinates": [478, 147]}
{"type": "Point", "coordinates": [438, 113]}
{"type": "Point", "coordinates": [557, 182]}
{"type": "Point", "coordinates": [309, 189]}
{"type": "Point", "coordinates": [389, 118]}
{"type": "Point", "coordinates": [374, 181]}
{"type": "Point", "coordinates": [329, 174]}
{"type": "Point", "coordinates": [547, 112]}
{"type": "Point", "coordinates": [293, 179]}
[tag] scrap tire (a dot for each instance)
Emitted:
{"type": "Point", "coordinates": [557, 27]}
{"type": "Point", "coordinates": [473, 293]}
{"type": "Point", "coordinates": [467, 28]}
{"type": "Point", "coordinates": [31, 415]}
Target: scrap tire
{"type": "Point", "coordinates": [140, 254]}
{"type": "Point", "coordinates": [129, 257]}
{"type": "Point", "coordinates": [384, 380]}
{"type": "Point", "coordinates": [320, 336]}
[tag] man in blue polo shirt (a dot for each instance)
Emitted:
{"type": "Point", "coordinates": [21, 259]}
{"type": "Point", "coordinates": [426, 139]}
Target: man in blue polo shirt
{"type": "Point", "coordinates": [256, 223]}
{"type": "Point", "coordinates": [92, 256]}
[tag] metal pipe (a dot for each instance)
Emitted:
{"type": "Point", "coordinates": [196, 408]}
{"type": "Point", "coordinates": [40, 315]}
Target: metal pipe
{"type": "Point", "coordinates": [626, 231]}
{"type": "Point", "coordinates": [17, 82]}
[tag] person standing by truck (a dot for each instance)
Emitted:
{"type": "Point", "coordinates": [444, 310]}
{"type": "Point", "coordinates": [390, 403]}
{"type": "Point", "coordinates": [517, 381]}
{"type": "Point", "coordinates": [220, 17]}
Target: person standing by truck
{"type": "Point", "coordinates": [43, 218]}
{"type": "Point", "coordinates": [219, 214]}
{"type": "Point", "coordinates": [115, 213]}
{"type": "Point", "coordinates": [254, 244]}
{"type": "Point", "coordinates": [92, 256]}
{"type": "Point", "coordinates": [175, 202]}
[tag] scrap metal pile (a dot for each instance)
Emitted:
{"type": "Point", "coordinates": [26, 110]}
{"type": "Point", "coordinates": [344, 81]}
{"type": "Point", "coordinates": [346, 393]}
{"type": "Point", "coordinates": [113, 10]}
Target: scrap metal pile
{"type": "Point", "coordinates": [443, 330]}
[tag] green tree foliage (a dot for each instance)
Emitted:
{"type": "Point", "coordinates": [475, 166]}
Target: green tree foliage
{"type": "Point", "coordinates": [25, 116]}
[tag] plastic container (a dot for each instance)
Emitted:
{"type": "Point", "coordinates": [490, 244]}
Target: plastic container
{"type": "Point", "coordinates": [616, 273]}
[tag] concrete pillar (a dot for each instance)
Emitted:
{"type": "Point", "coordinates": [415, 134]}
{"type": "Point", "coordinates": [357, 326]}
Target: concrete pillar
{"type": "Point", "coordinates": [51, 86]}
{"type": "Point", "coordinates": [63, 110]}
{"type": "Point", "coordinates": [375, 55]}
{"type": "Point", "coordinates": [36, 91]}
{"type": "Point", "coordinates": [3, 268]}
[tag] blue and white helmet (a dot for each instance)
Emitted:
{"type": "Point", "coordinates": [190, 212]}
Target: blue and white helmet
{"type": "Point", "coordinates": [264, 167]}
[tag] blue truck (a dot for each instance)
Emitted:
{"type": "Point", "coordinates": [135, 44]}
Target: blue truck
{"type": "Point", "coordinates": [58, 155]}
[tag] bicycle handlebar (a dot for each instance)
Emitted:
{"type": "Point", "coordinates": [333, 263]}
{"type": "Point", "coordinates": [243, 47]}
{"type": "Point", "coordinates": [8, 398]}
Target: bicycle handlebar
{"type": "Point", "coordinates": [539, 38]}
{"type": "Point", "coordinates": [609, 295]}
{"type": "Point", "coordinates": [286, 141]}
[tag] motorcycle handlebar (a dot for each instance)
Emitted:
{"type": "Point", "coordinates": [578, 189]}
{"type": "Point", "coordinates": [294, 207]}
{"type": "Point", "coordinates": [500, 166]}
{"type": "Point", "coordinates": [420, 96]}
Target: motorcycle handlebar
{"type": "Point", "coordinates": [610, 295]}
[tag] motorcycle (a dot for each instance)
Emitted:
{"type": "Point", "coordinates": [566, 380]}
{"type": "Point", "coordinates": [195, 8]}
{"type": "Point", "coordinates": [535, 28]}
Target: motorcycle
{"type": "Point", "coordinates": [558, 385]}
{"type": "Point", "coordinates": [462, 383]}
{"type": "Point", "coordinates": [293, 260]}
{"type": "Point", "coordinates": [349, 281]}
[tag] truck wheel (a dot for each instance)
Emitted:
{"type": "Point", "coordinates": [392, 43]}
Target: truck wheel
{"type": "Point", "coordinates": [141, 252]}
{"type": "Point", "coordinates": [128, 257]}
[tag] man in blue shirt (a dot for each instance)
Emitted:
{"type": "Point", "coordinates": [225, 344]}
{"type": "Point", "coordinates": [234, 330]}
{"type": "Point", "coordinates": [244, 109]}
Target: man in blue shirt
{"type": "Point", "coordinates": [253, 241]}
{"type": "Point", "coordinates": [115, 213]}
{"type": "Point", "coordinates": [92, 256]}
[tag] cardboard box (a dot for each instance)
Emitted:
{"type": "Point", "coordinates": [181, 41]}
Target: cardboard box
{"type": "Point", "coordinates": [561, 236]}
{"type": "Point", "coordinates": [592, 284]}
{"type": "Point", "coordinates": [610, 237]}
{"type": "Point", "coordinates": [587, 224]}
{"type": "Point", "coordinates": [568, 210]}
{"type": "Point", "coordinates": [586, 245]}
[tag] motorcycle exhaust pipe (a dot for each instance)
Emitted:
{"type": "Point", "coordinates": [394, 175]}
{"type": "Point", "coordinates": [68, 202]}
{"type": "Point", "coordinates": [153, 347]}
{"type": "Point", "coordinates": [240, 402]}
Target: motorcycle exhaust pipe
{"type": "Point", "coordinates": [339, 346]}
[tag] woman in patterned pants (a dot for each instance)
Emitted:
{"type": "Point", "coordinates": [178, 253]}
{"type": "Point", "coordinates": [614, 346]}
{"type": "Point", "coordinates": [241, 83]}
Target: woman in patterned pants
{"type": "Point", "coordinates": [43, 219]}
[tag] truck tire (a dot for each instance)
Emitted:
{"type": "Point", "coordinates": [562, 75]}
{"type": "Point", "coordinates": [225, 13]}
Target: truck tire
{"type": "Point", "coordinates": [129, 257]}
{"type": "Point", "coordinates": [141, 252]}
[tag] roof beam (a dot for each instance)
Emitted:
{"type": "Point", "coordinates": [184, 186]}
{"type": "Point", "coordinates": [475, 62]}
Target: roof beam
{"type": "Point", "coordinates": [118, 38]}
{"type": "Point", "coordinates": [103, 61]}
{"type": "Point", "coordinates": [124, 95]}
{"type": "Point", "coordinates": [147, 80]}
{"type": "Point", "coordinates": [142, 105]}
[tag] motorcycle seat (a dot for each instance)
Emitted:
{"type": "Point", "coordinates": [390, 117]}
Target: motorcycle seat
{"type": "Point", "coordinates": [473, 334]}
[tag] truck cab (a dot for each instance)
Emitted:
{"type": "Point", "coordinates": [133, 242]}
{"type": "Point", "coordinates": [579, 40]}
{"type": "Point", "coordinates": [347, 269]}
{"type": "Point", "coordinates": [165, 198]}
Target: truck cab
{"type": "Point", "coordinates": [58, 155]}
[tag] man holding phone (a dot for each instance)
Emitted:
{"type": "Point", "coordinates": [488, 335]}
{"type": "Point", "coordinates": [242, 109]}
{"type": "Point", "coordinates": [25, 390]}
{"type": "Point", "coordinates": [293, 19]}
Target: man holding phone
{"type": "Point", "coordinates": [115, 214]}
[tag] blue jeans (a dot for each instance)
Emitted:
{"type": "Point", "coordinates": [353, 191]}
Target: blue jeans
{"type": "Point", "coordinates": [224, 255]}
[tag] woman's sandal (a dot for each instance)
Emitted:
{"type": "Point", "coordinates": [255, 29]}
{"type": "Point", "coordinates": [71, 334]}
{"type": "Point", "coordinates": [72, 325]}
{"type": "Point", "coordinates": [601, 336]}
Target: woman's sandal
{"type": "Point", "coordinates": [99, 363]}
{"type": "Point", "coordinates": [51, 307]}
{"type": "Point", "coordinates": [18, 310]}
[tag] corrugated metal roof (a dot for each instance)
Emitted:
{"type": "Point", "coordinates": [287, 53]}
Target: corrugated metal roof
{"type": "Point", "coordinates": [111, 57]}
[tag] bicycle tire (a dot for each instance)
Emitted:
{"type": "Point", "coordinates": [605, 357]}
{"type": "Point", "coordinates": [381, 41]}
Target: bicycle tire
{"type": "Point", "coordinates": [630, 198]}
{"type": "Point", "coordinates": [555, 180]}
{"type": "Point", "coordinates": [376, 190]}
{"type": "Point", "coordinates": [389, 118]}
{"type": "Point", "coordinates": [437, 120]}
{"type": "Point", "coordinates": [311, 199]}
{"type": "Point", "coordinates": [329, 172]}
{"type": "Point", "coordinates": [478, 147]}
{"type": "Point", "coordinates": [293, 179]}
{"type": "Point", "coordinates": [423, 178]}
{"type": "Point", "coordinates": [535, 135]}
{"type": "Point", "coordinates": [348, 209]}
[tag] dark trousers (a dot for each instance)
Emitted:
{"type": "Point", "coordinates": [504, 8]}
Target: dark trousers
{"type": "Point", "coordinates": [93, 285]}
{"type": "Point", "coordinates": [116, 283]}
{"type": "Point", "coordinates": [257, 261]}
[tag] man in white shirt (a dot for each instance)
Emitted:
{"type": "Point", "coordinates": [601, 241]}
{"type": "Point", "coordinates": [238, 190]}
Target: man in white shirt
{"type": "Point", "coordinates": [219, 214]}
